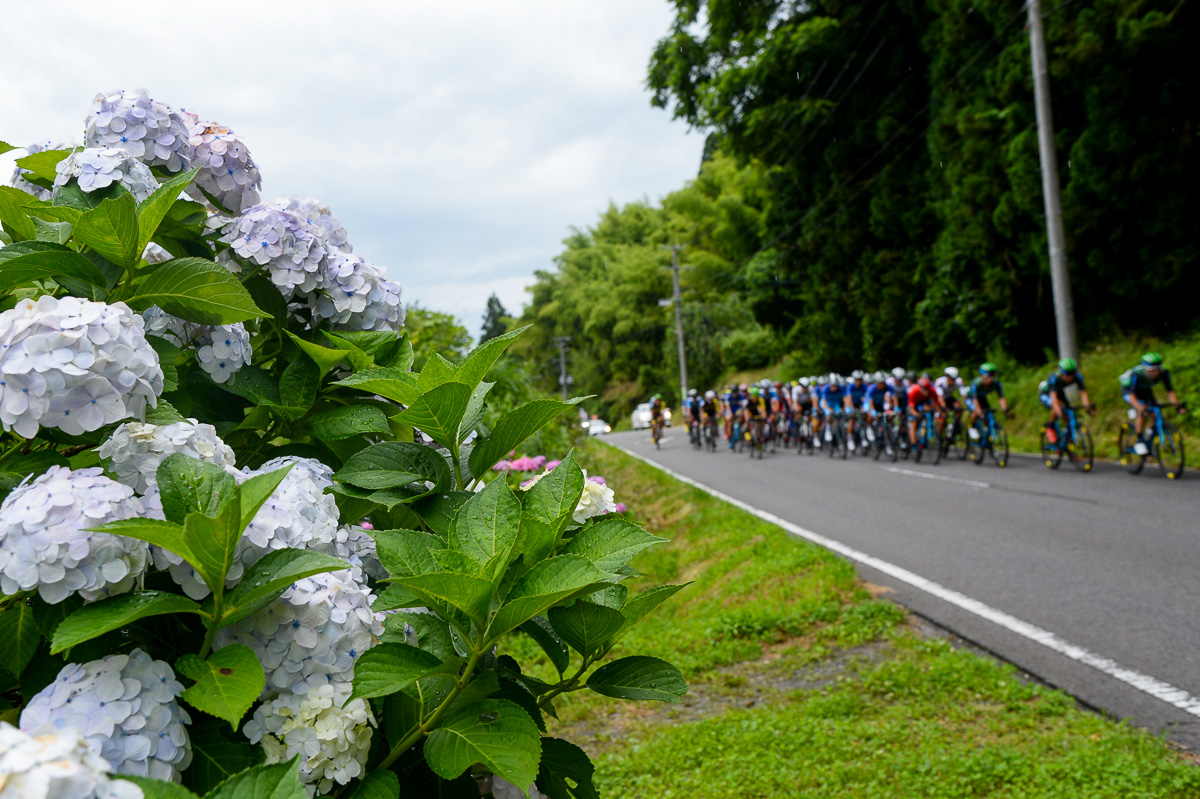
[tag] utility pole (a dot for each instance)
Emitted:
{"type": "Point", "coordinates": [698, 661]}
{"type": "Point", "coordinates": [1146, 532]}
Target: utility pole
{"type": "Point", "coordinates": [678, 300]}
{"type": "Point", "coordinates": [1060, 279]}
{"type": "Point", "coordinates": [563, 379]}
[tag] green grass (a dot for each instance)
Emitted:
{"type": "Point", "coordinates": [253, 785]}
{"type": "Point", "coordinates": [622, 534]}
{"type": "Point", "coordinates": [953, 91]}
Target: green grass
{"type": "Point", "coordinates": [803, 684]}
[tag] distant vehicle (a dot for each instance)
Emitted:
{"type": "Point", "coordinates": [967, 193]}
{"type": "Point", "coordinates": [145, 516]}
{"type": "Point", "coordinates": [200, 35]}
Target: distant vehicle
{"type": "Point", "coordinates": [641, 416]}
{"type": "Point", "coordinates": [597, 427]}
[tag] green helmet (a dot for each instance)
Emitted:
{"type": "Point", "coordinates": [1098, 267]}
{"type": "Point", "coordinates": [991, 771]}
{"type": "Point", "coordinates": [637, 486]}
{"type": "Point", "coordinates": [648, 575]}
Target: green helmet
{"type": "Point", "coordinates": [988, 368]}
{"type": "Point", "coordinates": [1067, 365]}
{"type": "Point", "coordinates": [755, 390]}
{"type": "Point", "coordinates": [1152, 359]}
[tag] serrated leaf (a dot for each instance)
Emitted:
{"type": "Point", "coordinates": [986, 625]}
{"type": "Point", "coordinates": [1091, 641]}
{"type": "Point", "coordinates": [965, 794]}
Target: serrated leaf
{"type": "Point", "coordinates": [438, 510]}
{"type": "Point", "coordinates": [437, 370]}
{"type": "Point", "coordinates": [111, 229]}
{"type": "Point", "coordinates": [358, 359]}
{"type": "Point", "coordinates": [467, 593]}
{"type": "Point", "coordinates": [163, 414]}
{"type": "Point", "coordinates": [213, 542]}
{"type": "Point", "coordinates": [639, 677]}
{"type": "Point", "coordinates": [216, 758]}
{"type": "Point", "coordinates": [324, 357]}
{"type": "Point", "coordinates": [43, 164]}
{"type": "Point", "coordinates": [538, 628]}
{"type": "Point", "coordinates": [337, 424]}
{"type": "Point", "coordinates": [92, 621]}
{"type": "Point", "coordinates": [586, 626]}
{"type": "Point", "coordinates": [377, 785]}
{"type": "Point", "coordinates": [562, 761]}
{"type": "Point", "coordinates": [20, 635]}
{"type": "Point", "coordinates": [393, 464]}
{"type": "Point", "coordinates": [154, 208]}
{"type": "Point", "coordinates": [394, 384]}
{"type": "Point", "coordinates": [439, 413]}
{"type": "Point", "coordinates": [640, 605]}
{"type": "Point", "coordinates": [254, 492]}
{"type": "Point", "coordinates": [13, 214]}
{"type": "Point", "coordinates": [387, 668]}
{"type": "Point", "coordinates": [432, 634]}
{"type": "Point", "coordinates": [158, 789]}
{"type": "Point", "coordinates": [165, 534]}
{"type": "Point", "coordinates": [189, 485]}
{"type": "Point", "coordinates": [227, 683]}
{"type": "Point", "coordinates": [271, 576]}
{"type": "Point", "coordinates": [513, 429]}
{"type": "Point", "coordinates": [546, 584]}
{"type": "Point", "coordinates": [611, 543]}
{"type": "Point", "coordinates": [5, 147]}
{"type": "Point", "coordinates": [479, 360]}
{"type": "Point", "coordinates": [487, 524]}
{"type": "Point", "coordinates": [274, 781]}
{"type": "Point", "coordinates": [298, 387]}
{"type": "Point", "coordinates": [407, 552]}
{"type": "Point", "coordinates": [47, 264]}
{"type": "Point", "coordinates": [194, 289]}
{"type": "Point", "coordinates": [547, 509]}
{"type": "Point", "coordinates": [493, 732]}
{"type": "Point", "coordinates": [253, 384]}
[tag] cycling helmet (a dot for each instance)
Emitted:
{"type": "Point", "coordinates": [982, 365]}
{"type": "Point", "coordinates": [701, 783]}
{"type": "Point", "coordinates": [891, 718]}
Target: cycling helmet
{"type": "Point", "coordinates": [1152, 359]}
{"type": "Point", "coordinates": [1067, 366]}
{"type": "Point", "coordinates": [710, 395]}
{"type": "Point", "coordinates": [898, 373]}
{"type": "Point", "coordinates": [952, 372]}
{"type": "Point", "coordinates": [924, 381]}
{"type": "Point", "coordinates": [755, 391]}
{"type": "Point", "coordinates": [881, 377]}
{"type": "Point", "coordinates": [822, 380]}
{"type": "Point", "coordinates": [656, 396]}
{"type": "Point", "coordinates": [910, 375]}
{"type": "Point", "coordinates": [692, 392]}
{"type": "Point", "coordinates": [765, 382]}
{"type": "Point", "coordinates": [804, 382]}
{"type": "Point", "coordinates": [834, 377]}
{"type": "Point", "coordinates": [857, 374]}
{"type": "Point", "coordinates": [989, 368]}
{"type": "Point", "coordinates": [743, 387]}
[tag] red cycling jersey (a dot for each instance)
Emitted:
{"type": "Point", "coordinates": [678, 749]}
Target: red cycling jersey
{"type": "Point", "coordinates": [918, 395]}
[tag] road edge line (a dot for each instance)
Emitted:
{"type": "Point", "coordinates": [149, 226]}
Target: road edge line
{"type": "Point", "coordinates": [1145, 683]}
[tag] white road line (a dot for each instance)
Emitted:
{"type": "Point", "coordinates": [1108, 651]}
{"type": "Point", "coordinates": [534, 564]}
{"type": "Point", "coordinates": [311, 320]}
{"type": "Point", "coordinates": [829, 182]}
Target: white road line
{"type": "Point", "coordinates": [1142, 682]}
{"type": "Point", "coordinates": [928, 476]}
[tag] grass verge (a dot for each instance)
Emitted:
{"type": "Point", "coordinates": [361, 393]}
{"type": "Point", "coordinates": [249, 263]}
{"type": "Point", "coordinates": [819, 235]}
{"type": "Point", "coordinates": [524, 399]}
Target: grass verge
{"type": "Point", "coordinates": [804, 684]}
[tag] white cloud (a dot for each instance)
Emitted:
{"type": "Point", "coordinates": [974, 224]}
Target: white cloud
{"type": "Point", "coordinates": [457, 141]}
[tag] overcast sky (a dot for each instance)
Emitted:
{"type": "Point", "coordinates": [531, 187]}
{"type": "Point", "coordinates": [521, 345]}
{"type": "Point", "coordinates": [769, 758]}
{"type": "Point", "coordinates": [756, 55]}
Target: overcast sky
{"type": "Point", "coordinates": [456, 141]}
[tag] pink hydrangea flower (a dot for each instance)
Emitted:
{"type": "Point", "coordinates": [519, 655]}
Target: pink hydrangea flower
{"type": "Point", "coordinates": [538, 461]}
{"type": "Point", "coordinates": [524, 464]}
{"type": "Point", "coordinates": [551, 464]}
{"type": "Point", "coordinates": [598, 479]}
{"type": "Point", "coordinates": [620, 507]}
{"type": "Point", "coordinates": [502, 466]}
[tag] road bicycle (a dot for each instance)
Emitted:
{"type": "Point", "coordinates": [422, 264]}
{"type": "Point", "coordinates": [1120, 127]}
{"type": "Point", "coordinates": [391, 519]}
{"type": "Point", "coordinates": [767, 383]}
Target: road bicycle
{"type": "Point", "coordinates": [882, 435]}
{"type": "Point", "coordinates": [1071, 436]}
{"type": "Point", "coordinates": [710, 434]}
{"type": "Point", "coordinates": [989, 439]}
{"type": "Point", "coordinates": [804, 434]}
{"type": "Point", "coordinates": [755, 435]}
{"type": "Point", "coordinates": [656, 428]}
{"type": "Point", "coordinates": [927, 444]}
{"type": "Point", "coordinates": [694, 434]}
{"type": "Point", "coordinates": [835, 436]}
{"type": "Point", "coordinates": [1165, 444]}
{"type": "Point", "coordinates": [899, 428]}
{"type": "Point", "coordinates": [953, 436]}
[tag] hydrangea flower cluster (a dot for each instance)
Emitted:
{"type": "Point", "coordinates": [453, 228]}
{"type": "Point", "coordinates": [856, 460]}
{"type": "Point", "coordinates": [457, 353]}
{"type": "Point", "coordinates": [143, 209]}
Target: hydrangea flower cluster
{"type": "Point", "coordinates": [53, 764]}
{"type": "Point", "coordinates": [125, 705]}
{"type": "Point", "coordinates": [288, 244]}
{"type": "Point", "coordinates": [18, 178]}
{"type": "Point", "coordinates": [152, 132]}
{"type": "Point", "coordinates": [221, 350]}
{"type": "Point", "coordinates": [332, 737]}
{"type": "Point", "coordinates": [337, 238]}
{"type": "Point", "coordinates": [100, 167]}
{"type": "Point", "coordinates": [45, 543]}
{"type": "Point", "coordinates": [596, 500]}
{"type": "Point", "coordinates": [357, 296]}
{"type": "Point", "coordinates": [227, 171]}
{"type": "Point", "coordinates": [312, 634]}
{"type": "Point", "coordinates": [135, 449]}
{"type": "Point", "coordinates": [74, 364]}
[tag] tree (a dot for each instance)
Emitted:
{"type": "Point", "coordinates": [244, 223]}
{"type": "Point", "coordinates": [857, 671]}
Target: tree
{"type": "Point", "coordinates": [495, 320]}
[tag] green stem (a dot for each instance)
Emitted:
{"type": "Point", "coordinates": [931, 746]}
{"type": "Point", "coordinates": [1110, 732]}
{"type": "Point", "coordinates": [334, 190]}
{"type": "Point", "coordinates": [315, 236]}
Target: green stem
{"type": "Point", "coordinates": [564, 687]}
{"type": "Point", "coordinates": [218, 608]}
{"type": "Point", "coordinates": [457, 471]}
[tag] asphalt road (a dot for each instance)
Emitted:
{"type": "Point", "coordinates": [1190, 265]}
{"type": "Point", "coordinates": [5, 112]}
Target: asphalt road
{"type": "Point", "coordinates": [1107, 561]}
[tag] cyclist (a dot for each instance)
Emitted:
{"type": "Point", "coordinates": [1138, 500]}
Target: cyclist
{"type": "Point", "coordinates": [1052, 392]}
{"type": "Point", "coordinates": [710, 411]}
{"type": "Point", "coordinates": [802, 396]}
{"type": "Point", "coordinates": [819, 384]}
{"type": "Point", "coordinates": [833, 401]}
{"type": "Point", "coordinates": [899, 385]}
{"type": "Point", "coordinates": [691, 415]}
{"type": "Point", "coordinates": [921, 394]}
{"type": "Point", "coordinates": [880, 398]}
{"type": "Point", "coordinates": [731, 401]}
{"type": "Point", "coordinates": [855, 392]}
{"type": "Point", "coordinates": [977, 396]}
{"type": "Point", "coordinates": [657, 410]}
{"type": "Point", "coordinates": [950, 388]}
{"type": "Point", "coordinates": [753, 409]}
{"type": "Point", "coordinates": [1137, 388]}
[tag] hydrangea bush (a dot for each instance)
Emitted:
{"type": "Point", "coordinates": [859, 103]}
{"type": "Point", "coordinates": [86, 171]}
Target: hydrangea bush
{"type": "Point", "coordinates": [245, 551]}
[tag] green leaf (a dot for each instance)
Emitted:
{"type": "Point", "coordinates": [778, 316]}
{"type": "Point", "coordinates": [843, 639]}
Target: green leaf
{"type": "Point", "coordinates": [55, 233]}
{"type": "Point", "coordinates": [393, 464]}
{"type": "Point", "coordinates": [163, 414]}
{"type": "Point", "coordinates": [377, 785]}
{"type": "Point", "coordinates": [92, 621]}
{"type": "Point", "coordinates": [213, 541]}
{"type": "Point", "coordinates": [477, 363]}
{"type": "Point", "coordinates": [13, 214]}
{"type": "Point", "coordinates": [274, 781]}
{"type": "Point", "coordinates": [253, 384]}
{"type": "Point", "coordinates": [360, 360]}
{"type": "Point", "coordinates": [337, 424]}
{"type": "Point", "coordinates": [168, 355]}
{"type": "Point", "coordinates": [271, 576]}
{"type": "Point", "coordinates": [513, 429]}
{"type": "Point", "coordinates": [487, 524]}
{"type": "Point", "coordinates": [154, 208]}
{"type": "Point", "coordinates": [111, 229]}
{"type": "Point", "coordinates": [474, 413]}
{"type": "Point", "coordinates": [258, 489]}
{"type": "Point", "coordinates": [298, 386]}
{"type": "Point", "coordinates": [562, 761]}
{"type": "Point", "coordinates": [548, 583]}
{"type": "Point", "coordinates": [437, 370]}
{"type": "Point", "coordinates": [464, 592]}
{"type": "Point", "coordinates": [227, 684]}
{"type": "Point", "coordinates": [611, 543]}
{"type": "Point", "coordinates": [394, 384]}
{"type": "Point", "coordinates": [407, 552]}
{"type": "Point", "coordinates": [167, 535]}
{"type": "Point", "coordinates": [432, 634]}
{"type": "Point", "coordinates": [65, 213]}
{"type": "Point", "coordinates": [387, 668]}
{"type": "Point", "coordinates": [5, 147]}
{"type": "Point", "coordinates": [43, 164]}
{"type": "Point", "coordinates": [53, 264]}
{"type": "Point", "coordinates": [158, 789]}
{"type": "Point", "coordinates": [639, 677]}
{"type": "Point", "coordinates": [324, 357]}
{"type": "Point", "coordinates": [438, 510]}
{"type": "Point", "coordinates": [195, 289]}
{"type": "Point", "coordinates": [189, 485]}
{"type": "Point", "coordinates": [494, 732]}
{"type": "Point", "coordinates": [586, 626]}
{"type": "Point", "coordinates": [548, 507]}
{"type": "Point", "coordinates": [21, 636]}
{"type": "Point", "coordinates": [216, 758]}
{"type": "Point", "coordinates": [439, 413]}
{"type": "Point", "coordinates": [642, 604]}
{"type": "Point", "coordinates": [539, 629]}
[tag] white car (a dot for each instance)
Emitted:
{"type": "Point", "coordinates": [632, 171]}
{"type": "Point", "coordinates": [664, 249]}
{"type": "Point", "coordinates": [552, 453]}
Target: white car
{"type": "Point", "coordinates": [641, 416]}
{"type": "Point", "coordinates": [597, 427]}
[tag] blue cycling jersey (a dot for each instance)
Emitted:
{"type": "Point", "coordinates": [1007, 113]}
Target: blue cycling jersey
{"type": "Point", "coordinates": [877, 395]}
{"type": "Point", "coordinates": [832, 396]}
{"type": "Point", "coordinates": [1055, 384]}
{"type": "Point", "coordinates": [857, 391]}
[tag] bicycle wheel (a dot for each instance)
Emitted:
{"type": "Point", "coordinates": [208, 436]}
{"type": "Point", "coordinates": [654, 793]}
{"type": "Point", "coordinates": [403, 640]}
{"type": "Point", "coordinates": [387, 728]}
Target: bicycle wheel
{"type": "Point", "coordinates": [1082, 453]}
{"type": "Point", "coordinates": [961, 440]}
{"type": "Point", "coordinates": [999, 447]}
{"type": "Point", "coordinates": [843, 441]}
{"type": "Point", "coordinates": [1051, 453]}
{"type": "Point", "coordinates": [1169, 452]}
{"type": "Point", "coordinates": [892, 442]}
{"type": "Point", "coordinates": [976, 446]}
{"type": "Point", "coordinates": [1132, 462]}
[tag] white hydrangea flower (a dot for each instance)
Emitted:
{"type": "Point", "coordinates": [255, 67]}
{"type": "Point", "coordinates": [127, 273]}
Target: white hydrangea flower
{"type": "Point", "coordinates": [299, 515]}
{"type": "Point", "coordinates": [503, 789]}
{"type": "Point", "coordinates": [353, 544]}
{"type": "Point", "coordinates": [291, 247]}
{"type": "Point", "coordinates": [336, 236]}
{"type": "Point", "coordinates": [100, 167]}
{"type": "Point", "coordinates": [597, 499]}
{"type": "Point", "coordinates": [312, 634]}
{"type": "Point", "coordinates": [125, 706]}
{"type": "Point", "coordinates": [45, 543]}
{"type": "Point", "coordinates": [18, 177]}
{"type": "Point", "coordinates": [155, 254]}
{"type": "Point", "coordinates": [153, 132]}
{"type": "Point", "coordinates": [333, 741]}
{"type": "Point", "coordinates": [135, 449]}
{"type": "Point", "coordinates": [356, 295]}
{"type": "Point", "coordinates": [55, 764]}
{"type": "Point", "coordinates": [221, 350]}
{"type": "Point", "coordinates": [74, 364]}
{"type": "Point", "coordinates": [227, 171]}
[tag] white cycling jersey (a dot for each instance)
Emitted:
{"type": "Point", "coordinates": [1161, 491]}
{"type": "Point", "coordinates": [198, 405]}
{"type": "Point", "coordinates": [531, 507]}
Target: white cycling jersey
{"type": "Point", "coordinates": [944, 386]}
{"type": "Point", "coordinates": [801, 395]}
